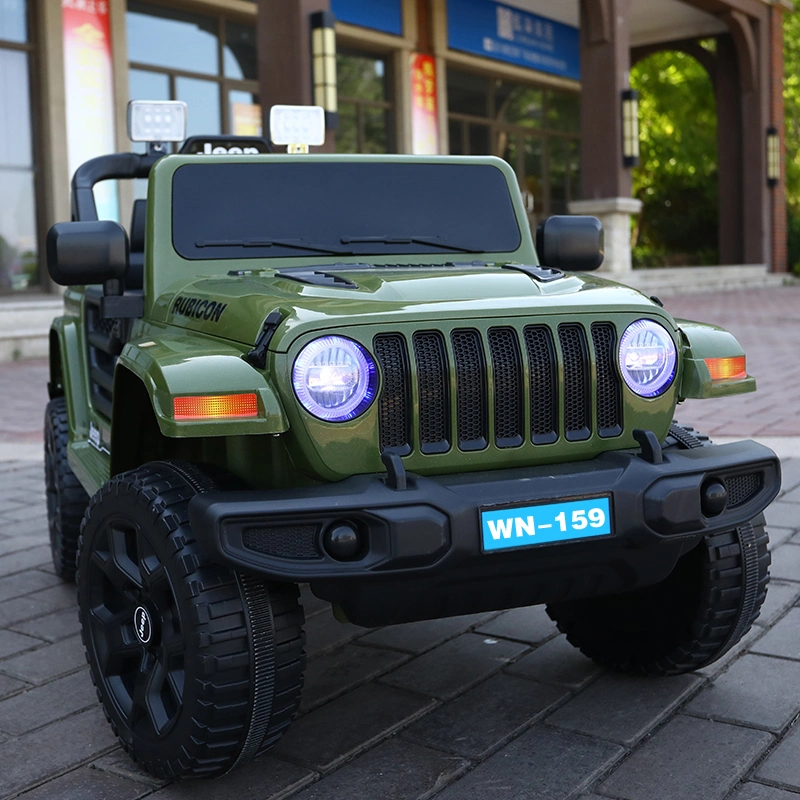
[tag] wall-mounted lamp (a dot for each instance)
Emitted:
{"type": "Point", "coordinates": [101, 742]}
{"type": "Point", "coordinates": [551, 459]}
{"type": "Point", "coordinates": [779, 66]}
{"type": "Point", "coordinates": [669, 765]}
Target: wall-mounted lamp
{"type": "Point", "coordinates": [323, 53]}
{"type": "Point", "coordinates": [773, 157]}
{"type": "Point", "coordinates": [630, 128]}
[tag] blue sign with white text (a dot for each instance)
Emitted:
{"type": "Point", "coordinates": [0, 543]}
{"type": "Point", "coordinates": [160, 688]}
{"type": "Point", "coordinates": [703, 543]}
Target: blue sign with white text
{"type": "Point", "coordinates": [380, 15]}
{"type": "Point", "coordinates": [545, 523]}
{"type": "Point", "coordinates": [494, 30]}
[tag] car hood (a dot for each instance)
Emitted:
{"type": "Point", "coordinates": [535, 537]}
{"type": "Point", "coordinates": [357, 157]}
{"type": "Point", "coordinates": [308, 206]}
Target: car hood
{"type": "Point", "coordinates": [234, 307]}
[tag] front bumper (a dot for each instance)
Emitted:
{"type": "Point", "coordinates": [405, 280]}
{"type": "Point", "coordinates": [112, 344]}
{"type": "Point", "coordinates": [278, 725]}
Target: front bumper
{"type": "Point", "coordinates": [421, 547]}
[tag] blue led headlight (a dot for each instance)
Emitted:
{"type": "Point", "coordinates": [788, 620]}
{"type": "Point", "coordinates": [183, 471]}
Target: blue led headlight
{"type": "Point", "coordinates": [334, 378]}
{"type": "Point", "coordinates": [647, 358]}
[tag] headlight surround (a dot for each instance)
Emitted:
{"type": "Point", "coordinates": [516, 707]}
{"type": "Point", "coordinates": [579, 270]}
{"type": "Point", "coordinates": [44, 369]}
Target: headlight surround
{"type": "Point", "coordinates": [335, 378]}
{"type": "Point", "coordinates": [647, 358]}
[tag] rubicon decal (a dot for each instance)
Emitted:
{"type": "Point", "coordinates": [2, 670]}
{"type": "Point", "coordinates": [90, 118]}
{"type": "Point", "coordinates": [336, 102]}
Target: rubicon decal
{"type": "Point", "coordinates": [198, 308]}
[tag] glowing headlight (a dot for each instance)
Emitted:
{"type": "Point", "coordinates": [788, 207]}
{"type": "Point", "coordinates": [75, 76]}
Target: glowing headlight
{"type": "Point", "coordinates": [334, 378]}
{"type": "Point", "coordinates": [647, 358]}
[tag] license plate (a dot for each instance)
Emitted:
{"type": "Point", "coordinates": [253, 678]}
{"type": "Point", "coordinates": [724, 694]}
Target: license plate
{"type": "Point", "coordinates": [545, 523]}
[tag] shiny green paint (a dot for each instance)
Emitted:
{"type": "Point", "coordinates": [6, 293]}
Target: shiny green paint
{"type": "Point", "coordinates": [704, 341]}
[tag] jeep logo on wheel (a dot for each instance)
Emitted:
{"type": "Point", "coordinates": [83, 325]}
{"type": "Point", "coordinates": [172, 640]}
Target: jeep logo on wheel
{"type": "Point", "coordinates": [142, 625]}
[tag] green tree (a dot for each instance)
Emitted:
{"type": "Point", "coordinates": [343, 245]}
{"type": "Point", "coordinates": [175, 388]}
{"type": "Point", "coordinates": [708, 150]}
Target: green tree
{"type": "Point", "coordinates": [677, 179]}
{"type": "Point", "coordinates": [791, 96]}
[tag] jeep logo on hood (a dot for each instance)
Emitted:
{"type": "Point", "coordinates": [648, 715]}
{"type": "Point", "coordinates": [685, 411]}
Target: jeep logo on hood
{"type": "Point", "coordinates": [224, 146]}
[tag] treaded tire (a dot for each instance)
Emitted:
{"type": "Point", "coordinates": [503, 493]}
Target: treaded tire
{"type": "Point", "coordinates": [66, 498]}
{"type": "Point", "coordinates": [221, 676]}
{"type": "Point", "coordinates": [703, 608]}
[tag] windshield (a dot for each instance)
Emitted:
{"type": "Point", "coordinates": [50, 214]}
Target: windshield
{"type": "Point", "coordinates": [279, 210]}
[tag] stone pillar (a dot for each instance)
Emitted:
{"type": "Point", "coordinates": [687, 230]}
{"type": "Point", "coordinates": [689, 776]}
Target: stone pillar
{"type": "Point", "coordinates": [605, 182]}
{"type": "Point", "coordinates": [615, 215]}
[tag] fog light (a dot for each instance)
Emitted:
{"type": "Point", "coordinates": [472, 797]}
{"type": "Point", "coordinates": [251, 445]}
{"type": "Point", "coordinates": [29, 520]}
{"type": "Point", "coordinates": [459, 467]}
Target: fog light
{"type": "Point", "coordinates": [342, 541]}
{"type": "Point", "coordinates": [714, 498]}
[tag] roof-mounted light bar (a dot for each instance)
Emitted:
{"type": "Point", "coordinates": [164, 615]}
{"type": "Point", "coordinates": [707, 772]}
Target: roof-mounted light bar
{"type": "Point", "coordinates": [297, 127]}
{"type": "Point", "coordinates": [157, 120]}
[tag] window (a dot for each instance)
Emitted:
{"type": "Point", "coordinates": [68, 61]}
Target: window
{"type": "Point", "coordinates": [536, 130]}
{"type": "Point", "coordinates": [366, 118]}
{"type": "Point", "coordinates": [209, 62]}
{"type": "Point", "coordinates": [18, 225]}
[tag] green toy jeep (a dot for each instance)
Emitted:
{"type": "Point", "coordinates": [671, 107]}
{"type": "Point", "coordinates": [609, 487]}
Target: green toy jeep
{"type": "Point", "coordinates": [354, 372]}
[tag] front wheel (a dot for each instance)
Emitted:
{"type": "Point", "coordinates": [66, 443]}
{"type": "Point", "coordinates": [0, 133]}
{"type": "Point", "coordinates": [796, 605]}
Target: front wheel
{"type": "Point", "coordinates": [199, 669]}
{"type": "Point", "coordinates": [703, 608]}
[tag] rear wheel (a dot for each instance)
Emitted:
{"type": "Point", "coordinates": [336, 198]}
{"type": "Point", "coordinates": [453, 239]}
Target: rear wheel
{"type": "Point", "coordinates": [703, 608]}
{"type": "Point", "coordinates": [66, 498]}
{"type": "Point", "coordinates": [199, 669]}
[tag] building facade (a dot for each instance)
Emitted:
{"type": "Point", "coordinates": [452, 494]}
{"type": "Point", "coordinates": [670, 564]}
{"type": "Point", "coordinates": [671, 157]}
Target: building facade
{"type": "Point", "coordinates": [540, 83]}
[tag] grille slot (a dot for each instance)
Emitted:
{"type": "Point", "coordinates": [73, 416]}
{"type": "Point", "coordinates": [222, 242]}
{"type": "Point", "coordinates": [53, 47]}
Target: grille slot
{"type": "Point", "coordinates": [394, 404]}
{"type": "Point", "coordinates": [742, 487]}
{"type": "Point", "coordinates": [508, 383]}
{"type": "Point", "coordinates": [609, 390]}
{"type": "Point", "coordinates": [283, 541]}
{"type": "Point", "coordinates": [577, 390]}
{"type": "Point", "coordinates": [472, 417]}
{"type": "Point", "coordinates": [544, 390]}
{"type": "Point", "coordinates": [434, 395]}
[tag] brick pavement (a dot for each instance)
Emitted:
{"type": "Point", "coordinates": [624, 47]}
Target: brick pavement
{"type": "Point", "coordinates": [489, 705]}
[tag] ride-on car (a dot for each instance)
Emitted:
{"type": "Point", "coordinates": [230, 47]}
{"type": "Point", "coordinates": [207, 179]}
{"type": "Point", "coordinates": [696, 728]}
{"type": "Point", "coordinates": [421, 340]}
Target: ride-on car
{"type": "Point", "coordinates": [359, 373]}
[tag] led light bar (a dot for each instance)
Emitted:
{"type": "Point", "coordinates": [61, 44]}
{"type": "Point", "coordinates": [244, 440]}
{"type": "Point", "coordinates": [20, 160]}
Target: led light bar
{"type": "Point", "coordinates": [732, 368]}
{"type": "Point", "coordinates": [157, 120]}
{"type": "Point", "coordinates": [216, 406]}
{"type": "Point", "coordinates": [297, 125]}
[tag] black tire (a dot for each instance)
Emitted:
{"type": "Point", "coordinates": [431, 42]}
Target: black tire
{"type": "Point", "coordinates": [66, 498]}
{"type": "Point", "coordinates": [703, 608]}
{"type": "Point", "coordinates": [220, 677]}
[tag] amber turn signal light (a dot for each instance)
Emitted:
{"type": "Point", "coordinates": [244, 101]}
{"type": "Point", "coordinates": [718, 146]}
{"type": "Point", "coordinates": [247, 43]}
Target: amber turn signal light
{"type": "Point", "coordinates": [727, 369]}
{"type": "Point", "coordinates": [216, 406]}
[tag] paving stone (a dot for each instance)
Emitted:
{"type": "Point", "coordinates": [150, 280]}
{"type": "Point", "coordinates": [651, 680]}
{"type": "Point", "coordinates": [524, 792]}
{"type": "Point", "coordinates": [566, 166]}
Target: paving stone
{"type": "Point", "coordinates": [261, 780]}
{"type": "Point", "coordinates": [25, 583]}
{"type": "Point", "coordinates": [757, 791]}
{"type": "Point", "coordinates": [756, 690]}
{"type": "Point", "coordinates": [11, 643]}
{"type": "Point", "coordinates": [52, 627]}
{"type": "Point", "coordinates": [530, 625]}
{"type": "Point", "coordinates": [62, 595]}
{"type": "Point", "coordinates": [35, 511]}
{"type": "Point", "coordinates": [417, 637]}
{"type": "Point", "coordinates": [783, 639]}
{"type": "Point", "coordinates": [10, 686]}
{"type": "Point", "coordinates": [395, 770]}
{"type": "Point", "coordinates": [792, 496]}
{"type": "Point", "coordinates": [51, 750]}
{"type": "Point", "coordinates": [783, 515]}
{"type": "Point", "coordinates": [786, 562]}
{"type": "Point", "coordinates": [747, 643]}
{"type": "Point", "coordinates": [45, 704]}
{"type": "Point", "coordinates": [777, 536]}
{"type": "Point", "coordinates": [688, 758]}
{"type": "Point", "coordinates": [21, 608]}
{"type": "Point", "coordinates": [48, 662]}
{"type": "Point", "coordinates": [790, 472]}
{"type": "Point", "coordinates": [29, 529]}
{"type": "Point", "coordinates": [25, 559]}
{"type": "Point", "coordinates": [556, 661]}
{"type": "Point", "coordinates": [455, 666]}
{"type": "Point", "coordinates": [85, 784]}
{"type": "Point", "coordinates": [13, 544]}
{"type": "Point", "coordinates": [122, 765]}
{"type": "Point", "coordinates": [312, 605]}
{"type": "Point", "coordinates": [338, 672]}
{"type": "Point", "coordinates": [325, 633]}
{"type": "Point", "coordinates": [779, 597]}
{"type": "Point", "coordinates": [543, 764]}
{"type": "Point", "coordinates": [342, 728]}
{"type": "Point", "coordinates": [783, 763]}
{"type": "Point", "coordinates": [486, 716]}
{"type": "Point", "coordinates": [623, 708]}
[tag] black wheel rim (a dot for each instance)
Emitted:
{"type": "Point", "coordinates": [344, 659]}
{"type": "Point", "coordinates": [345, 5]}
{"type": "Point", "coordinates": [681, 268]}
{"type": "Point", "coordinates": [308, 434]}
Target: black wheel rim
{"type": "Point", "coordinates": [144, 680]}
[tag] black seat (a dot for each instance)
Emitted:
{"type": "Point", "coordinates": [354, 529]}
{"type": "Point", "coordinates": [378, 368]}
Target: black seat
{"type": "Point", "coordinates": [135, 275]}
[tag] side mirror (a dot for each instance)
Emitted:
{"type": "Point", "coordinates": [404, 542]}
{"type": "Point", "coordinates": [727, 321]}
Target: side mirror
{"type": "Point", "coordinates": [570, 243]}
{"type": "Point", "coordinates": [80, 253]}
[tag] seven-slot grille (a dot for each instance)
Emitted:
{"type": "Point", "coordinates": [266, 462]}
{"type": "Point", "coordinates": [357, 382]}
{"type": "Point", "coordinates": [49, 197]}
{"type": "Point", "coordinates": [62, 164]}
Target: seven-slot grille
{"type": "Point", "coordinates": [548, 371]}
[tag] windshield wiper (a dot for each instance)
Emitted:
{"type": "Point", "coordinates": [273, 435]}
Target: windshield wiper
{"type": "Point", "coordinates": [432, 241]}
{"type": "Point", "coordinates": [295, 244]}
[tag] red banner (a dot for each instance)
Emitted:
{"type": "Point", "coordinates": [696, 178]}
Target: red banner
{"type": "Point", "coordinates": [424, 105]}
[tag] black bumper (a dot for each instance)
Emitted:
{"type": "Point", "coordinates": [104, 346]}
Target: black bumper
{"type": "Point", "coordinates": [421, 550]}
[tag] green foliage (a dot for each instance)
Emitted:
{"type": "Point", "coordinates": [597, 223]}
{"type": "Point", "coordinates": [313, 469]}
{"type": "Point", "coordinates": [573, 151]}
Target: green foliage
{"type": "Point", "coordinates": [791, 97]}
{"type": "Point", "coordinates": [677, 179]}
